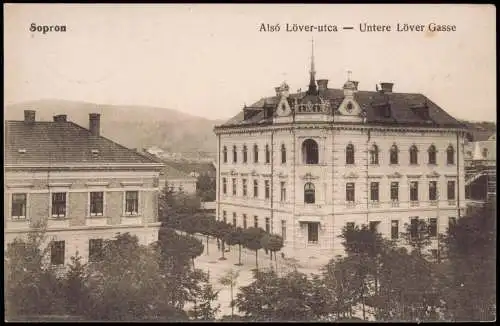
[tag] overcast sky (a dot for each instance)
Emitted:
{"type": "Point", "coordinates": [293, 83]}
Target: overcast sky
{"type": "Point", "coordinates": [209, 60]}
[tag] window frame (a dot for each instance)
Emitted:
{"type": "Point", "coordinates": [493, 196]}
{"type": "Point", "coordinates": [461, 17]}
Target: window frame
{"type": "Point", "coordinates": [374, 157]}
{"type": "Point", "coordinates": [394, 229]}
{"type": "Point", "coordinates": [350, 192]}
{"type": "Point", "coordinates": [433, 182]}
{"type": "Point", "coordinates": [310, 152]}
{"type": "Point", "coordinates": [310, 228]}
{"type": "Point", "coordinates": [100, 254]}
{"type": "Point", "coordinates": [125, 203]}
{"type": "Point", "coordinates": [96, 215]}
{"type": "Point", "coordinates": [244, 187]}
{"type": "Point", "coordinates": [394, 190]}
{"type": "Point", "coordinates": [413, 155]}
{"type": "Point", "coordinates": [245, 154]}
{"type": "Point", "coordinates": [283, 154]}
{"type": "Point", "coordinates": [451, 195]}
{"type": "Point", "coordinates": [374, 191]}
{"type": "Point", "coordinates": [268, 154]}
{"type": "Point", "coordinates": [450, 155]}
{"type": "Point", "coordinates": [350, 155]}
{"type": "Point", "coordinates": [432, 155]}
{"type": "Point", "coordinates": [55, 251]}
{"type": "Point", "coordinates": [11, 211]}
{"type": "Point", "coordinates": [416, 191]}
{"type": "Point", "coordinates": [394, 155]}
{"type": "Point", "coordinates": [309, 193]}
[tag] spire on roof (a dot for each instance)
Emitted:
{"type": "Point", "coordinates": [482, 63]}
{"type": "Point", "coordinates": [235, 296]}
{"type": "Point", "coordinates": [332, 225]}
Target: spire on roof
{"type": "Point", "coordinates": [312, 80]}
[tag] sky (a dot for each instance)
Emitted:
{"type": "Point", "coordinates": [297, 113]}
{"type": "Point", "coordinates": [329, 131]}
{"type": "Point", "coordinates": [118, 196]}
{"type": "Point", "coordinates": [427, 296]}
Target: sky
{"type": "Point", "coordinates": [210, 60]}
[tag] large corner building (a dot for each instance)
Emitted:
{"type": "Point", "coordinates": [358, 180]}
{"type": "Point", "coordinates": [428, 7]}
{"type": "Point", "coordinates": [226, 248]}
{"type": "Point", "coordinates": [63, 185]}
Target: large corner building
{"type": "Point", "coordinates": [304, 165]}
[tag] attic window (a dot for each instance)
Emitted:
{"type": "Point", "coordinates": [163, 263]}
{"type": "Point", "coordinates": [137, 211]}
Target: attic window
{"type": "Point", "coordinates": [95, 152]}
{"type": "Point", "coordinates": [21, 150]}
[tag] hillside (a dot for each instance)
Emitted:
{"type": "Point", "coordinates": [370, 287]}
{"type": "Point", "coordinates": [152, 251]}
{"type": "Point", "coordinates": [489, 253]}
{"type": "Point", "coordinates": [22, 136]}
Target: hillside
{"type": "Point", "coordinates": [132, 126]}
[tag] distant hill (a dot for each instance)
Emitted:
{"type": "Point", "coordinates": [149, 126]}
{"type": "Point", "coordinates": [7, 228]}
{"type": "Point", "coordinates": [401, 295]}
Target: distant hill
{"type": "Point", "coordinates": [132, 126]}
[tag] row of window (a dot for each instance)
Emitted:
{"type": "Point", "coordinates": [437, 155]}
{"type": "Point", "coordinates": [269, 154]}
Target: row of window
{"type": "Point", "coordinates": [58, 251]}
{"type": "Point", "coordinates": [60, 199]}
{"type": "Point", "coordinates": [310, 192]}
{"type": "Point", "coordinates": [313, 227]}
{"type": "Point", "coordinates": [244, 184]}
{"type": "Point", "coordinates": [394, 191]}
{"type": "Point", "coordinates": [395, 232]}
{"type": "Point", "coordinates": [267, 154]}
{"type": "Point", "coordinates": [244, 223]}
{"type": "Point", "coordinates": [310, 154]}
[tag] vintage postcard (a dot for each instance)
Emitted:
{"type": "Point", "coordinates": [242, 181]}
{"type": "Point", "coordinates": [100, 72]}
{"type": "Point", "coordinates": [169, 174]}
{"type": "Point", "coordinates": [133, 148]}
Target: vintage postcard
{"type": "Point", "coordinates": [250, 162]}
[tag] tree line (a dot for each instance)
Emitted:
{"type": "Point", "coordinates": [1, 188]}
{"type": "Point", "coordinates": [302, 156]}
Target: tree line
{"type": "Point", "coordinates": [377, 278]}
{"type": "Point", "coordinates": [180, 212]}
{"type": "Point", "coordinates": [386, 280]}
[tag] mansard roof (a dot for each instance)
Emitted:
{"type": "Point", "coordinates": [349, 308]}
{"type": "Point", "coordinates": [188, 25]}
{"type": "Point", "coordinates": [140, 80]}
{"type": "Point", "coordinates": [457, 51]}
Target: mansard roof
{"type": "Point", "coordinates": [402, 109]}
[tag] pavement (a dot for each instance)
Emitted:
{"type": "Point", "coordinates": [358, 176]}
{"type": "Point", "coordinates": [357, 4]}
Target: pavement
{"type": "Point", "coordinates": [210, 263]}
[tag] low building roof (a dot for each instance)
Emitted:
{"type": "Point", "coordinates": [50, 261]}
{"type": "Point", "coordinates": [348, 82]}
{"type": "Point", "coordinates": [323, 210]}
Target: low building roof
{"type": "Point", "coordinates": [63, 142]}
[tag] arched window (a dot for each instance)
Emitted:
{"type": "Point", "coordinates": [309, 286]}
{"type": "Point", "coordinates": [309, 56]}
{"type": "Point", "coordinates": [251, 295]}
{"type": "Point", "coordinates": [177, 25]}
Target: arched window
{"type": "Point", "coordinates": [268, 154]}
{"type": "Point", "coordinates": [255, 153]}
{"type": "Point", "coordinates": [224, 152]}
{"type": "Point", "coordinates": [432, 154]}
{"type": "Point", "coordinates": [245, 154]}
{"type": "Point", "coordinates": [394, 154]}
{"type": "Point", "coordinates": [413, 155]}
{"type": "Point", "coordinates": [283, 153]}
{"type": "Point", "coordinates": [349, 154]}
{"type": "Point", "coordinates": [450, 155]}
{"type": "Point", "coordinates": [235, 155]}
{"type": "Point", "coordinates": [309, 193]}
{"type": "Point", "coordinates": [374, 154]}
{"type": "Point", "coordinates": [310, 153]}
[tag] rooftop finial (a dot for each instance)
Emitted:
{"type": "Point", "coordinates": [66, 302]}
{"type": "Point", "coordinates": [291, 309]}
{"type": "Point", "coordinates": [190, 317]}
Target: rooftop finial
{"type": "Point", "coordinates": [312, 80]}
{"type": "Point", "coordinates": [349, 75]}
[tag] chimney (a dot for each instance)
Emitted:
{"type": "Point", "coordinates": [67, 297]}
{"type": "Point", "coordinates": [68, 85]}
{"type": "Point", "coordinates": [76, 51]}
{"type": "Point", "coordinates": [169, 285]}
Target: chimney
{"type": "Point", "coordinates": [278, 91]}
{"type": "Point", "coordinates": [355, 84]}
{"type": "Point", "coordinates": [94, 123]}
{"type": "Point", "coordinates": [60, 118]}
{"type": "Point", "coordinates": [322, 84]}
{"type": "Point", "coordinates": [29, 116]}
{"type": "Point", "coordinates": [386, 87]}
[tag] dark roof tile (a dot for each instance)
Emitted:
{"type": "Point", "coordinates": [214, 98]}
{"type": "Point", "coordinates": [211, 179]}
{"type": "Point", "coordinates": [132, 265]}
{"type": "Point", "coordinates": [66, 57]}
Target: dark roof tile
{"type": "Point", "coordinates": [46, 142]}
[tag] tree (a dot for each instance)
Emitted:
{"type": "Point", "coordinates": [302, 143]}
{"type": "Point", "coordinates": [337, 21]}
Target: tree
{"type": "Point", "coordinates": [253, 238]}
{"type": "Point", "coordinates": [293, 297]}
{"type": "Point", "coordinates": [222, 231]}
{"type": "Point", "coordinates": [128, 284]}
{"type": "Point", "coordinates": [76, 289]}
{"type": "Point", "coordinates": [230, 279]}
{"type": "Point", "coordinates": [204, 308]}
{"type": "Point", "coordinates": [236, 237]}
{"type": "Point", "coordinates": [258, 299]}
{"type": "Point", "coordinates": [273, 243]}
{"type": "Point", "coordinates": [31, 284]}
{"type": "Point", "coordinates": [470, 267]}
{"type": "Point", "coordinates": [206, 227]}
{"type": "Point", "coordinates": [205, 188]}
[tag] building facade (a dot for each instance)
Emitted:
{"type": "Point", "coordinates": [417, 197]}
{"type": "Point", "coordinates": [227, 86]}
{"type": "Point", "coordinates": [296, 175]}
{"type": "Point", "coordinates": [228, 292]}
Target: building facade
{"type": "Point", "coordinates": [305, 165]}
{"type": "Point", "coordinates": [480, 168]}
{"type": "Point", "coordinates": [84, 187]}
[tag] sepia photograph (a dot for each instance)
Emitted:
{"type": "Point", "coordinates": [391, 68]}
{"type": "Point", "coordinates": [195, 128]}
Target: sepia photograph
{"type": "Point", "coordinates": [249, 162]}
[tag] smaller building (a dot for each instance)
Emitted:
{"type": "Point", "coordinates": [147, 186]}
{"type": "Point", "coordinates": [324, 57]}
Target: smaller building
{"type": "Point", "coordinates": [177, 181]}
{"type": "Point", "coordinates": [480, 165]}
